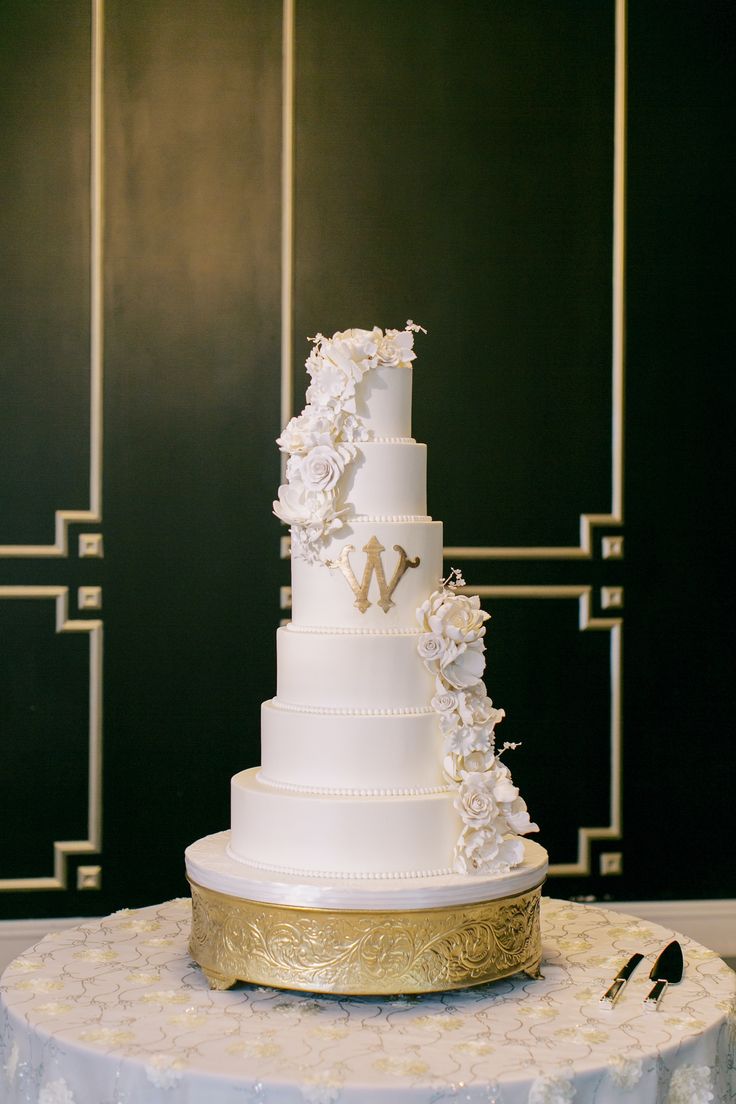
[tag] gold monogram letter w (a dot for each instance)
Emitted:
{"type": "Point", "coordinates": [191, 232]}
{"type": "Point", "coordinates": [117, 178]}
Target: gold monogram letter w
{"type": "Point", "coordinates": [373, 566]}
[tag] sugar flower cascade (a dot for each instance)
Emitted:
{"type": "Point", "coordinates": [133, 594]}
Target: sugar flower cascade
{"type": "Point", "coordinates": [323, 440]}
{"type": "Point", "coordinates": [493, 814]}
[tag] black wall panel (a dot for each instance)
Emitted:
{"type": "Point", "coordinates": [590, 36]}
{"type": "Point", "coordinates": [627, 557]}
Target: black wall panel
{"type": "Point", "coordinates": [454, 164]}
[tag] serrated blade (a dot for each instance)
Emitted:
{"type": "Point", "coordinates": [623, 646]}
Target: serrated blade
{"type": "Point", "coordinates": [612, 994]}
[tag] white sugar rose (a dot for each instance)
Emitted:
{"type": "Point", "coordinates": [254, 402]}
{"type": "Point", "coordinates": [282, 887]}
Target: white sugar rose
{"type": "Point", "coordinates": [445, 701]}
{"type": "Point", "coordinates": [431, 647]}
{"type": "Point", "coordinates": [321, 468]}
{"type": "Point", "coordinates": [463, 666]}
{"type": "Point", "coordinates": [475, 801]}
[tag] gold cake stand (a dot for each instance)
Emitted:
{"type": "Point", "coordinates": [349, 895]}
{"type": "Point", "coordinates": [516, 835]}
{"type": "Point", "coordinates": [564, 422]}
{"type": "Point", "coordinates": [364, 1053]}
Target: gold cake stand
{"type": "Point", "coordinates": [364, 952]}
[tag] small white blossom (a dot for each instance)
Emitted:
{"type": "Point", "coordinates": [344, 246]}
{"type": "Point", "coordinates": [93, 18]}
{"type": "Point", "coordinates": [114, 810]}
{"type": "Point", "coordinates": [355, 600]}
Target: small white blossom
{"type": "Point", "coordinates": [325, 1090]}
{"type": "Point", "coordinates": [554, 1089]}
{"type": "Point", "coordinates": [164, 1070]}
{"type": "Point", "coordinates": [625, 1072]}
{"type": "Point", "coordinates": [56, 1092]}
{"type": "Point", "coordinates": [691, 1085]}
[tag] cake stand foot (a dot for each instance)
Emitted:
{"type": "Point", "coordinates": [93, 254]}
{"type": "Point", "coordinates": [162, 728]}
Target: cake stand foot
{"type": "Point", "coordinates": [534, 972]}
{"type": "Point", "coordinates": [218, 981]}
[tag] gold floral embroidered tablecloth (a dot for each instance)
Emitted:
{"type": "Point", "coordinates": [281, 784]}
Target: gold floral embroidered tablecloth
{"type": "Point", "coordinates": [115, 1012]}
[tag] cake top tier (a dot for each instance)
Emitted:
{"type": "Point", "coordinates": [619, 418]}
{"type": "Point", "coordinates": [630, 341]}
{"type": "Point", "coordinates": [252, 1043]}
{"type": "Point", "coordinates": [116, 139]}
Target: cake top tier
{"type": "Point", "coordinates": [360, 391]}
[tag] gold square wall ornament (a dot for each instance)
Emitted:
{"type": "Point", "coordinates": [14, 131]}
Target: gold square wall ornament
{"type": "Point", "coordinates": [89, 877]}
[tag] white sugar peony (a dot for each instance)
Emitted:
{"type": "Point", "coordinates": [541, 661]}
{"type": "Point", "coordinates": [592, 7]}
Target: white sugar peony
{"type": "Point", "coordinates": [456, 616]}
{"type": "Point", "coordinates": [463, 665]}
{"type": "Point", "coordinates": [310, 428]}
{"type": "Point", "coordinates": [297, 506]}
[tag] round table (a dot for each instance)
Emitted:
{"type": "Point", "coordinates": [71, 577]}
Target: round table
{"type": "Point", "coordinates": [115, 1012]}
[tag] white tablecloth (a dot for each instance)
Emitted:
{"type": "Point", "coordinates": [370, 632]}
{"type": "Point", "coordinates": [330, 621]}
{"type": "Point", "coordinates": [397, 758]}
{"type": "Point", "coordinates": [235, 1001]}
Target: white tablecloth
{"type": "Point", "coordinates": [115, 1012]}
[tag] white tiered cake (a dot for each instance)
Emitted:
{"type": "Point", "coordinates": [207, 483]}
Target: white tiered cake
{"type": "Point", "coordinates": [381, 792]}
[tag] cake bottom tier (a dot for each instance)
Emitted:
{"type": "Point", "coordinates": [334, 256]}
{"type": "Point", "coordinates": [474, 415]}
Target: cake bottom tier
{"type": "Point", "coordinates": [378, 836]}
{"type": "Point", "coordinates": [361, 937]}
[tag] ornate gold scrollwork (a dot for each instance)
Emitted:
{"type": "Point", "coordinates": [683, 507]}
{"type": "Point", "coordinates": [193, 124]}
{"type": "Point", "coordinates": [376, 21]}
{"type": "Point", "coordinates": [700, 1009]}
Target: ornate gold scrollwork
{"type": "Point", "coordinates": [373, 566]}
{"type": "Point", "coordinates": [364, 952]}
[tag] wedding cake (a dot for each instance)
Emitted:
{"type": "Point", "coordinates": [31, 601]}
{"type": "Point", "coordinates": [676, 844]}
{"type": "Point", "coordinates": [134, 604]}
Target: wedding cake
{"type": "Point", "coordinates": [382, 790]}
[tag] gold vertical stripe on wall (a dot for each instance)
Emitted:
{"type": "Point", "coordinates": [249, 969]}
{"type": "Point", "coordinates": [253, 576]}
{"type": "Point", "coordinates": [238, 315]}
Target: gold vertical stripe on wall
{"type": "Point", "coordinates": [63, 518]}
{"type": "Point", "coordinates": [584, 549]}
{"type": "Point", "coordinates": [287, 211]}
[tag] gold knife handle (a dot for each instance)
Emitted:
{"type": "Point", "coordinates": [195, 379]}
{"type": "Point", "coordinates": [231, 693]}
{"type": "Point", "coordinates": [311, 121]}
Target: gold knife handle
{"type": "Point", "coordinates": [652, 1001]}
{"type": "Point", "coordinates": [612, 994]}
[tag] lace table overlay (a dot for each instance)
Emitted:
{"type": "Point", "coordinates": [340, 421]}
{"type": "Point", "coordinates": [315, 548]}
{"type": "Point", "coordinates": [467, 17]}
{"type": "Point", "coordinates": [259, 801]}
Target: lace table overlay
{"type": "Point", "coordinates": [115, 1012]}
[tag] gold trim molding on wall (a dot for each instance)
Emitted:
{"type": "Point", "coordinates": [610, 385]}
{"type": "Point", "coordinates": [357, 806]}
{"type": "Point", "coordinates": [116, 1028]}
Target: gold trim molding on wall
{"type": "Point", "coordinates": [63, 518]}
{"type": "Point", "coordinates": [612, 545]}
{"type": "Point", "coordinates": [93, 844]}
{"type": "Point", "coordinates": [586, 622]}
{"type": "Point", "coordinates": [588, 521]}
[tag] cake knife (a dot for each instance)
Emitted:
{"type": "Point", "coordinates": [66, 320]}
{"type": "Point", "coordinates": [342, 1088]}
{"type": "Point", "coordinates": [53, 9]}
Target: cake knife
{"type": "Point", "coordinates": [667, 970]}
{"type": "Point", "coordinates": [612, 994]}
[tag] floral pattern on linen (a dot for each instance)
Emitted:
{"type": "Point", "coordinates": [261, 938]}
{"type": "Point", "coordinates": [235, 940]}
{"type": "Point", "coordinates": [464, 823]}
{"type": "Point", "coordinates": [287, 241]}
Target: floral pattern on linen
{"type": "Point", "coordinates": [691, 1085]}
{"type": "Point", "coordinates": [555, 1089]}
{"type": "Point", "coordinates": [492, 812]}
{"type": "Point", "coordinates": [323, 440]}
{"type": "Point", "coordinates": [56, 1092]}
{"type": "Point", "coordinates": [516, 1041]}
{"type": "Point", "coordinates": [625, 1073]}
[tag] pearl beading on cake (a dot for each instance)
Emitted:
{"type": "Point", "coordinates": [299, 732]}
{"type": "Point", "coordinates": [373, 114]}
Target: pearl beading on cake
{"type": "Point", "coordinates": [423, 518]}
{"type": "Point", "coordinates": [329, 630]}
{"type": "Point", "coordinates": [328, 791]}
{"type": "Point", "coordinates": [295, 871]}
{"type": "Point", "coordinates": [391, 440]}
{"type": "Point", "coordinates": [320, 709]}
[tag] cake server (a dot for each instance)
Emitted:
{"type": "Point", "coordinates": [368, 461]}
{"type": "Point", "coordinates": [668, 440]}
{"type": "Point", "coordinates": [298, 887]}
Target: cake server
{"type": "Point", "coordinates": [667, 970]}
{"type": "Point", "coordinates": [612, 994]}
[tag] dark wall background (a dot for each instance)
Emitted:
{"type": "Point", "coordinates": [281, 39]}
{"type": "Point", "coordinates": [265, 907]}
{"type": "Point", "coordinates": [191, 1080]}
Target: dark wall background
{"type": "Point", "coordinates": [452, 164]}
